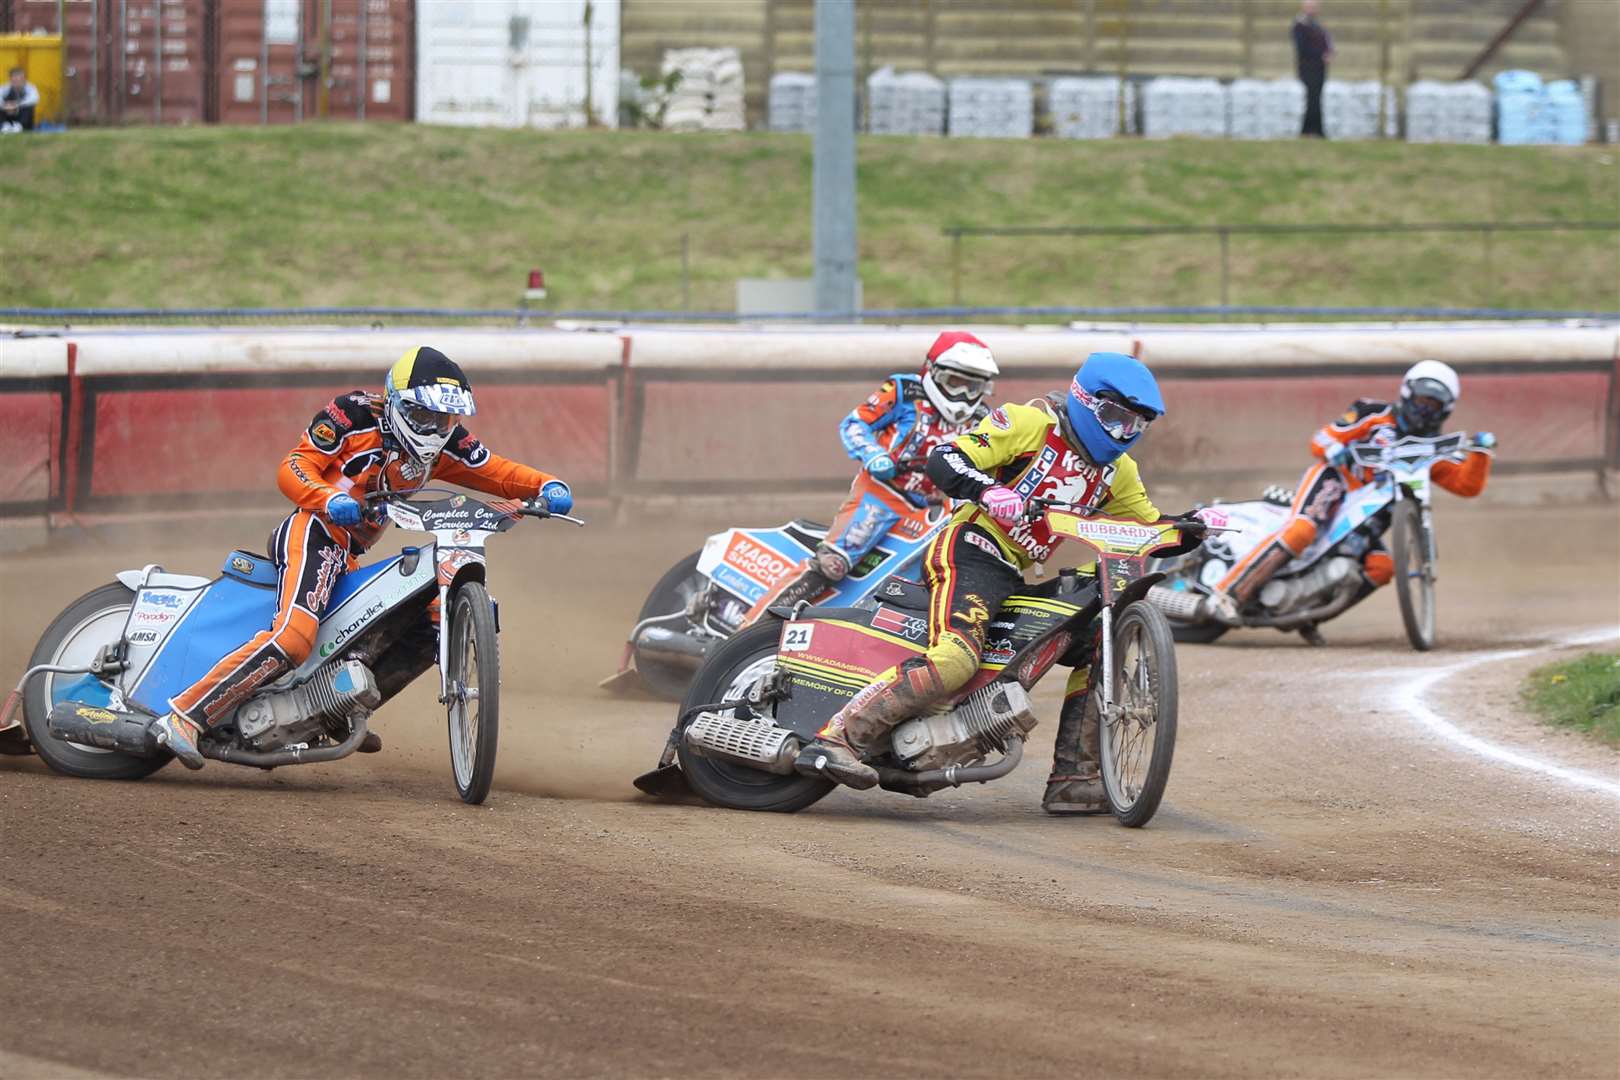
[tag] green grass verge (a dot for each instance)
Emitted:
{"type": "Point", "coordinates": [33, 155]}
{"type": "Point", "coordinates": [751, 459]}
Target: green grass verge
{"type": "Point", "coordinates": [418, 215]}
{"type": "Point", "coordinates": [1582, 694]}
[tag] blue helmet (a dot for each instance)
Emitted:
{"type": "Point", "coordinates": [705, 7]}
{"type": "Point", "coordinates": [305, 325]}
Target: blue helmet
{"type": "Point", "coordinates": [1109, 400]}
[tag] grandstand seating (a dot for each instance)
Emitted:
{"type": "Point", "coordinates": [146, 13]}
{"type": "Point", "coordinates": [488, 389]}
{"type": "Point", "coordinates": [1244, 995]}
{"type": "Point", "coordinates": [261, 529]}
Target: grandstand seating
{"type": "Point", "coordinates": [1432, 39]}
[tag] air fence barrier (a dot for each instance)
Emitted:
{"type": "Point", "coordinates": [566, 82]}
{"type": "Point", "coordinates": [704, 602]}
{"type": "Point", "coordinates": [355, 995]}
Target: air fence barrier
{"type": "Point", "coordinates": [108, 421]}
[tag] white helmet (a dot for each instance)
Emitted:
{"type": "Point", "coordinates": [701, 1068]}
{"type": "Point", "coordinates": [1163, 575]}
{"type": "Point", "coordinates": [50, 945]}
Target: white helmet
{"type": "Point", "coordinates": [426, 391]}
{"type": "Point", "coordinates": [1429, 391]}
{"type": "Point", "coordinates": [957, 374]}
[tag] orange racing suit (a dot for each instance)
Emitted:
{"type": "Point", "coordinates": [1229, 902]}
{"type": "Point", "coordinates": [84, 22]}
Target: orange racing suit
{"type": "Point", "coordinates": [345, 450]}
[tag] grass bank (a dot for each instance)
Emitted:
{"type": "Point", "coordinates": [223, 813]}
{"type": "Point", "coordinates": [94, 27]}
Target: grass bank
{"type": "Point", "coordinates": [418, 215]}
{"type": "Point", "coordinates": [1582, 694]}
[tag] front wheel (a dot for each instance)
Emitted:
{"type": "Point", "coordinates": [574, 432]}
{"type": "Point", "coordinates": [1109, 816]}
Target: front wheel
{"type": "Point", "coordinates": [473, 676]}
{"type": "Point", "coordinates": [726, 675]}
{"type": "Point", "coordinates": [1414, 573]}
{"type": "Point", "coordinates": [1139, 740]}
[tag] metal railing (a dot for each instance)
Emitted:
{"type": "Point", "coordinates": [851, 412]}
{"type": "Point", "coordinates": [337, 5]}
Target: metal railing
{"type": "Point", "coordinates": [1487, 230]}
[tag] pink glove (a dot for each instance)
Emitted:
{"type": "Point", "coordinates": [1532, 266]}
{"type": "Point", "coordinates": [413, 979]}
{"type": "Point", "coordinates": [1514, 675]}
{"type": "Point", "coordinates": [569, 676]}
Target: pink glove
{"type": "Point", "coordinates": [1004, 505]}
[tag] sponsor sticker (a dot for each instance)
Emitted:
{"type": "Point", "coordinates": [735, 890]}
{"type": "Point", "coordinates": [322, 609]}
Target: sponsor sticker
{"type": "Point", "coordinates": [998, 417]}
{"type": "Point", "coordinates": [241, 564]}
{"type": "Point", "coordinates": [95, 716]}
{"type": "Point", "coordinates": [155, 616]}
{"type": "Point", "coordinates": [796, 637]}
{"type": "Point", "coordinates": [163, 600]}
{"type": "Point", "coordinates": [142, 637]}
{"type": "Point", "coordinates": [338, 416]}
{"type": "Point", "coordinates": [756, 561]}
{"type": "Point", "coordinates": [323, 435]}
{"type": "Point", "coordinates": [898, 622]}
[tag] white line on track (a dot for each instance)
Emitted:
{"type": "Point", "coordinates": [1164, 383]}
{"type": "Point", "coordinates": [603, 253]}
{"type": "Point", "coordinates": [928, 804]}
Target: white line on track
{"type": "Point", "coordinates": [1409, 696]}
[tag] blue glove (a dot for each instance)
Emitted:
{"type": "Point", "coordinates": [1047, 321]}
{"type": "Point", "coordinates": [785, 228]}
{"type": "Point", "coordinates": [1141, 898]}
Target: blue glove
{"type": "Point", "coordinates": [881, 466]}
{"type": "Point", "coordinates": [342, 510]}
{"type": "Point", "coordinates": [1484, 440]}
{"type": "Point", "coordinates": [1337, 455]}
{"type": "Point", "coordinates": [556, 498]}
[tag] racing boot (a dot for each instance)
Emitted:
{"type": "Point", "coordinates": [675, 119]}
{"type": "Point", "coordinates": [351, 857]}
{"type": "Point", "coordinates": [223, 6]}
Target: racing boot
{"type": "Point", "coordinates": [1075, 786]}
{"type": "Point", "coordinates": [897, 694]}
{"type": "Point", "coordinates": [179, 736]}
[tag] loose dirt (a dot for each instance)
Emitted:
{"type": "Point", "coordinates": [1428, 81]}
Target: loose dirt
{"type": "Point", "coordinates": [1329, 890]}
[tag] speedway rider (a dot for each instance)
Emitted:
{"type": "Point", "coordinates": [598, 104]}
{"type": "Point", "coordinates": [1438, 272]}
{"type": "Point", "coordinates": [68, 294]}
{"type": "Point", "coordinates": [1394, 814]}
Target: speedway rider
{"type": "Point", "coordinates": [1067, 449]}
{"type": "Point", "coordinates": [903, 420]}
{"type": "Point", "coordinates": [360, 443]}
{"type": "Point", "coordinates": [1429, 391]}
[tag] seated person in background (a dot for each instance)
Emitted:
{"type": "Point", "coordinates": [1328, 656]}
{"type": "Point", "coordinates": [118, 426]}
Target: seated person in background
{"type": "Point", "coordinates": [18, 102]}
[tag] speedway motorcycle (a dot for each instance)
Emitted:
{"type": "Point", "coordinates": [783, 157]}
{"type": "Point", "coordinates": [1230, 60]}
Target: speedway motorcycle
{"type": "Point", "coordinates": [704, 598]}
{"type": "Point", "coordinates": [761, 696]}
{"type": "Point", "coordinates": [1326, 580]}
{"type": "Point", "coordinates": [107, 665]}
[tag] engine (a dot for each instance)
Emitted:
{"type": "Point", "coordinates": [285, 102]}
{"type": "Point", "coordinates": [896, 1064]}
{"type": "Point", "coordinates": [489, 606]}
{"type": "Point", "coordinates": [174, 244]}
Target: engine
{"type": "Point", "coordinates": [320, 706]}
{"type": "Point", "coordinates": [1286, 594]}
{"type": "Point", "coordinates": [982, 723]}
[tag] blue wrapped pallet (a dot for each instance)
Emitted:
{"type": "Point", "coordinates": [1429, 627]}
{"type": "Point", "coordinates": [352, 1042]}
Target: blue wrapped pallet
{"type": "Point", "coordinates": [1522, 116]}
{"type": "Point", "coordinates": [1566, 109]}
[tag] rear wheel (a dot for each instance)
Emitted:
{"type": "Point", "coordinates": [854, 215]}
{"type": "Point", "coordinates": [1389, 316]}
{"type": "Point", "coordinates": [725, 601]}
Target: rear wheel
{"type": "Point", "coordinates": [1414, 574]}
{"type": "Point", "coordinates": [73, 639]}
{"type": "Point", "coordinates": [474, 681]}
{"type": "Point", "coordinates": [726, 675]}
{"type": "Point", "coordinates": [670, 597]}
{"type": "Point", "coordinates": [1139, 741]}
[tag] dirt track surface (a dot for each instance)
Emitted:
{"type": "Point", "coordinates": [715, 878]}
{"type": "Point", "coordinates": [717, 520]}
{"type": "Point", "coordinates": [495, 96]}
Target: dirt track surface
{"type": "Point", "coordinates": [1329, 889]}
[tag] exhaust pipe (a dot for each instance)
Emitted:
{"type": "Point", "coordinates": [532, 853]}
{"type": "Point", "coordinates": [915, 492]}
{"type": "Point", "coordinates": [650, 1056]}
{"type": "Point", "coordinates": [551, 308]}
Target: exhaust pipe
{"type": "Point", "coordinates": [670, 646]}
{"type": "Point", "coordinates": [758, 744]}
{"type": "Point", "coordinates": [1179, 604]}
{"type": "Point", "coordinates": [294, 756]}
{"type": "Point", "coordinates": [924, 784]}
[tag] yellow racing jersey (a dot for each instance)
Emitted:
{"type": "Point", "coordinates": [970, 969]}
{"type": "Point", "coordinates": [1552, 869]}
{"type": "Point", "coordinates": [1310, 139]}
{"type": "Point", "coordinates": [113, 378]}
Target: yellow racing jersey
{"type": "Point", "coordinates": [1022, 447]}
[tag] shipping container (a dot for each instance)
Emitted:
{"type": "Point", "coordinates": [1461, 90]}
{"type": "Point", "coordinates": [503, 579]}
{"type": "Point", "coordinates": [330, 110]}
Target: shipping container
{"type": "Point", "coordinates": [517, 63]}
{"type": "Point", "coordinates": [282, 61]}
{"type": "Point", "coordinates": [129, 61]}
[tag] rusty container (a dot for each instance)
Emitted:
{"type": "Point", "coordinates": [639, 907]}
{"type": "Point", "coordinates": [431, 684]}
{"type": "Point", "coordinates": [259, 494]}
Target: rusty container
{"type": "Point", "coordinates": [130, 61]}
{"type": "Point", "coordinates": [281, 61]}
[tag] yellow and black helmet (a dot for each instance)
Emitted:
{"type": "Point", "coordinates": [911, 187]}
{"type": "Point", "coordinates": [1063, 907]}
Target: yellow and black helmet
{"type": "Point", "coordinates": [426, 392]}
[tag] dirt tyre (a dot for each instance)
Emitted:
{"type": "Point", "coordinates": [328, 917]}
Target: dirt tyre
{"type": "Point", "coordinates": [726, 673]}
{"type": "Point", "coordinates": [74, 637]}
{"type": "Point", "coordinates": [1137, 746]}
{"type": "Point", "coordinates": [669, 597]}
{"type": "Point", "coordinates": [474, 680]}
{"type": "Point", "coordinates": [1414, 575]}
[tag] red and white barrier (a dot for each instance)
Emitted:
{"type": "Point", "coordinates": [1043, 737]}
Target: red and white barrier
{"type": "Point", "coordinates": [104, 420]}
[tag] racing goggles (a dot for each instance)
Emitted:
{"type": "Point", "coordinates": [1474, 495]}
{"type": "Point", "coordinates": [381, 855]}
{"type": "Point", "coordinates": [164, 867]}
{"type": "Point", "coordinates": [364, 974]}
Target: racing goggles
{"type": "Point", "coordinates": [1428, 409]}
{"type": "Point", "coordinates": [1119, 420]}
{"type": "Point", "coordinates": [959, 387]}
{"type": "Point", "coordinates": [426, 421]}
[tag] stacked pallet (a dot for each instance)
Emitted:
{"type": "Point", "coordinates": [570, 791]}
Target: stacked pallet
{"type": "Point", "coordinates": [1265, 108]}
{"type": "Point", "coordinates": [791, 105]}
{"type": "Point", "coordinates": [992, 108]}
{"type": "Point", "coordinates": [708, 95]}
{"type": "Point", "coordinates": [907, 103]}
{"type": "Point", "coordinates": [1177, 106]}
{"type": "Point", "coordinates": [1088, 108]}
{"type": "Point", "coordinates": [1457, 112]}
{"type": "Point", "coordinates": [1350, 109]}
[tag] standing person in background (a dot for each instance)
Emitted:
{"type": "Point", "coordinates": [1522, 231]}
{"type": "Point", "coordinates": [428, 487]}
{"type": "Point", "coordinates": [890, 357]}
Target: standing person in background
{"type": "Point", "coordinates": [1313, 48]}
{"type": "Point", "coordinates": [17, 102]}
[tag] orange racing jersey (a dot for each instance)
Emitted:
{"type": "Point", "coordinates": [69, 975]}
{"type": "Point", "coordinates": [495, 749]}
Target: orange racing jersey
{"type": "Point", "coordinates": [1374, 421]}
{"type": "Point", "coordinates": [345, 450]}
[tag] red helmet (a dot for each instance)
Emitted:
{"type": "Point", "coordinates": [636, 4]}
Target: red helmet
{"type": "Point", "coordinates": [958, 374]}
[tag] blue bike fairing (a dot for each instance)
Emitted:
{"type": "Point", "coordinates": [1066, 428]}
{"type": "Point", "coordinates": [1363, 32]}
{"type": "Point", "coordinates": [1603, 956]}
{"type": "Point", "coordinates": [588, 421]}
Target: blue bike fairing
{"type": "Point", "coordinates": [228, 613]}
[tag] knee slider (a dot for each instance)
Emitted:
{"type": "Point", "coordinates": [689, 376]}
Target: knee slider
{"type": "Point", "coordinates": [1379, 567]}
{"type": "Point", "coordinates": [1298, 535]}
{"type": "Point", "coordinates": [831, 562]}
